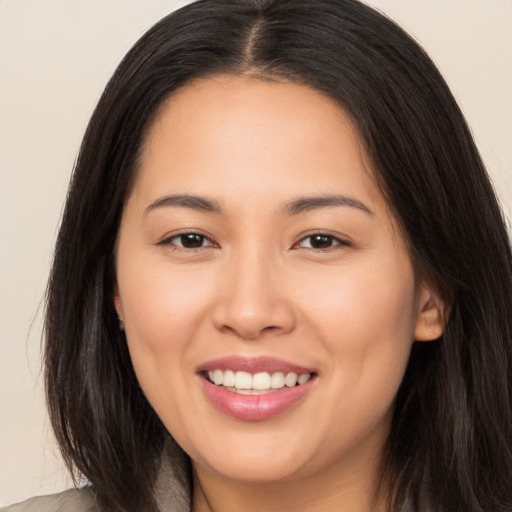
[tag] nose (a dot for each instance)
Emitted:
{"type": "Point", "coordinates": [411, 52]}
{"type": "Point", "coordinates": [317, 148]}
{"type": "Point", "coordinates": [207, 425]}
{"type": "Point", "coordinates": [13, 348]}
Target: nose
{"type": "Point", "coordinates": [252, 302]}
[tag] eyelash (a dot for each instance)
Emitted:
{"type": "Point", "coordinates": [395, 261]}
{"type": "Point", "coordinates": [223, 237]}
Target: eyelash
{"type": "Point", "coordinates": [334, 240]}
{"type": "Point", "coordinates": [171, 241]}
{"type": "Point", "coordinates": [327, 238]}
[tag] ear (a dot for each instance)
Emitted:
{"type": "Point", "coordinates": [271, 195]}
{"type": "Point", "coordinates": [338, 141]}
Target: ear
{"type": "Point", "coordinates": [431, 315]}
{"type": "Point", "coordinates": [117, 302]}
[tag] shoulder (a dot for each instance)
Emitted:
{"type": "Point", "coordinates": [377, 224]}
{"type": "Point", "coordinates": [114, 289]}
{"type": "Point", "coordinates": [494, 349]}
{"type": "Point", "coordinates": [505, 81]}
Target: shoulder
{"type": "Point", "coordinates": [72, 500]}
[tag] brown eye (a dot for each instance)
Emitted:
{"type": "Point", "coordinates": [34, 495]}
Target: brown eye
{"type": "Point", "coordinates": [321, 241]}
{"type": "Point", "coordinates": [190, 241]}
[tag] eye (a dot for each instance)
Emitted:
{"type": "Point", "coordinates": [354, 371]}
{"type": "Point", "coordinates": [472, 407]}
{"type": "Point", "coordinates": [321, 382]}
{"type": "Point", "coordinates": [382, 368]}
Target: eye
{"type": "Point", "coordinates": [188, 241]}
{"type": "Point", "coordinates": [319, 241]}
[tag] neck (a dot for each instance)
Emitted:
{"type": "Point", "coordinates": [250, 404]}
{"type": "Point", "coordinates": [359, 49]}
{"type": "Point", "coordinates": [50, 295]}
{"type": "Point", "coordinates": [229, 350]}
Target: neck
{"type": "Point", "coordinates": [337, 488]}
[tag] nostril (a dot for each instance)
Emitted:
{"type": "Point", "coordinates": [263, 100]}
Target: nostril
{"type": "Point", "coordinates": [249, 332]}
{"type": "Point", "coordinates": [251, 318]}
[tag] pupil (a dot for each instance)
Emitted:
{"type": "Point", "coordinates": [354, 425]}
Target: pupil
{"type": "Point", "coordinates": [192, 240]}
{"type": "Point", "coordinates": [321, 241]}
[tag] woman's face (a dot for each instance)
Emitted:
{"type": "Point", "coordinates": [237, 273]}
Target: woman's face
{"type": "Point", "coordinates": [255, 249]}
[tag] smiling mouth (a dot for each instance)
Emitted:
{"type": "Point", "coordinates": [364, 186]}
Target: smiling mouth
{"type": "Point", "coordinates": [261, 383]}
{"type": "Point", "coordinates": [255, 388]}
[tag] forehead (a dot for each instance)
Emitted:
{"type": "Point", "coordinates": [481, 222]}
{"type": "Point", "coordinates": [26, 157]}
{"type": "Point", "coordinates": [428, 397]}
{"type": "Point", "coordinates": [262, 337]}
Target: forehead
{"type": "Point", "coordinates": [251, 136]}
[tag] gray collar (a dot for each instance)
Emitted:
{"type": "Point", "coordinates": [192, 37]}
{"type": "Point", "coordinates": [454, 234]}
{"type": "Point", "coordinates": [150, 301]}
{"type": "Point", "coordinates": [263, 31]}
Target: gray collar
{"type": "Point", "coordinates": [173, 485]}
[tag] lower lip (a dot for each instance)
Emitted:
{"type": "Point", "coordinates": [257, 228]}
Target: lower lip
{"type": "Point", "coordinates": [255, 407]}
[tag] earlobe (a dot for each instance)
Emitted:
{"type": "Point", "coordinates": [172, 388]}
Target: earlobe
{"type": "Point", "coordinates": [117, 302]}
{"type": "Point", "coordinates": [431, 316]}
{"type": "Point", "coordinates": [118, 306]}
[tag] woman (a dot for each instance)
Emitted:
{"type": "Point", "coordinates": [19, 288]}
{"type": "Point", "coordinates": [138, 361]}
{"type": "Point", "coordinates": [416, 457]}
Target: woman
{"type": "Point", "coordinates": [282, 279]}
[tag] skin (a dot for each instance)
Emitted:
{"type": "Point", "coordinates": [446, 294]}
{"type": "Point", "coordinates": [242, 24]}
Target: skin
{"type": "Point", "coordinates": [256, 286]}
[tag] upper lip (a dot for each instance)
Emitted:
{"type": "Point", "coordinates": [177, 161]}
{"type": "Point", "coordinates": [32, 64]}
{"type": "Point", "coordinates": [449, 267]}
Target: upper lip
{"type": "Point", "coordinates": [253, 365]}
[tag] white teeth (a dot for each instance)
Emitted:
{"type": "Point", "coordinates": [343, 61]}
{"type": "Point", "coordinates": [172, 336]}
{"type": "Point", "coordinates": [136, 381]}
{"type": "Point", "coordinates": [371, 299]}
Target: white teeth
{"type": "Point", "coordinates": [257, 384]}
{"type": "Point", "coordinates": [243, 380]}
{"type": "Point", "coordinates": [277, 380]}
{"type": "Point", "coordinates": [261, 381]}
{"type": "Point", "coordinates": [218, 377]}
{"type": "Point", "coordinates": [260, 391]}
{"type": "Point", "coordinates": [291, 379]}
{"type": "Point", "coordinates": [229, 379]}
{"type": "Point", "coordinates": [303, 378]}
{"type": "Point", "coordinates": [251, 391]}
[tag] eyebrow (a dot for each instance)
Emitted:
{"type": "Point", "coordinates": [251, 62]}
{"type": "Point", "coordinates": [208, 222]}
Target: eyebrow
{"type": "Point", "coordinates": [185, 201]}
{"type": "Point", "coordinates": [301, 205]}
{"type": "Point", "coordinates": [305, 204]}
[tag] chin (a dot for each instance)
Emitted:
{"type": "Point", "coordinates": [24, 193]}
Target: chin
{"type": "Point", "coordinates": [256, 453]}
{"type": "Point", "coordinates": [253, 468]}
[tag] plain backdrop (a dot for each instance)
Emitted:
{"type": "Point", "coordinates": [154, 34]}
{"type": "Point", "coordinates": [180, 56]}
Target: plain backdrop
{"type": "Point", "coordinates": [55, 58]}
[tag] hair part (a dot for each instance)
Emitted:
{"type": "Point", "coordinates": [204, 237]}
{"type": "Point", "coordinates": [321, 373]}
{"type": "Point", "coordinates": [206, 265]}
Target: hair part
{"type": "Point", "coordinates": [450, 446]}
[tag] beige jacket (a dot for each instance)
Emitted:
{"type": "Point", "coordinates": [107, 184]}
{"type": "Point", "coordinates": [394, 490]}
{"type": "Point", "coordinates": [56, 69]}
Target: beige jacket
{"type": "Point", "coordinates": [171, 493]}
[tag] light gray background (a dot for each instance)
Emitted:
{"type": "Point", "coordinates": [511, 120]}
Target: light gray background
{"type": "Point", "coordinates": [55, 58]}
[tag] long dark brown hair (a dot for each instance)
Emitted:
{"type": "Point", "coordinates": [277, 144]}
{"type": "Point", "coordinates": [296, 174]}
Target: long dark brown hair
{"type": "Point", "coordinates": [450, 447]}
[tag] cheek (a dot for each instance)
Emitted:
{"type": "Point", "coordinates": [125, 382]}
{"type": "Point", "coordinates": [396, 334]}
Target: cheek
{"type": "Point", "coordinates": [365, 319]}
{"type": "Point", "coordinates": [357, 301]}
{"type": "Point", "coordinates": [162, 308]}
{"type": "Point", "coordinates": [160, 304]}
